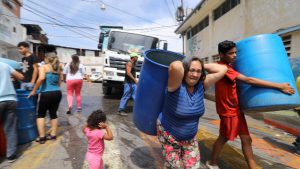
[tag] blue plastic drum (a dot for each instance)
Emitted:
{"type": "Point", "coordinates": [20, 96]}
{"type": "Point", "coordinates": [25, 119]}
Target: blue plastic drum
{"type": "Point", "coordinates": [12, 63]}
{"type": "Point", "coordinates": [151, 89]}
{"type": "Point", "coordinates": [26, 113]}
{"type": "Point", "coordinates": [264, 57]}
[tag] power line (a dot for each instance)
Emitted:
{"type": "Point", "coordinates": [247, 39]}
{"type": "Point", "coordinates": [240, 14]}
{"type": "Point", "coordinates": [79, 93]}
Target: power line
{"type": "Point", "coordinates": [50, 17]}
{"type": "Point", "coordinates": [129, 13]}
{"type": "Point", "coordinates": [61, 15]}
{"type": "Point", "coordinates": [83, 35]}
{"type": "Point", "coordinates": [54, 24]}
{"type": "Point", "coordinates": [174, 5]}
{"type": "Point", "coordinates": [170, 12]}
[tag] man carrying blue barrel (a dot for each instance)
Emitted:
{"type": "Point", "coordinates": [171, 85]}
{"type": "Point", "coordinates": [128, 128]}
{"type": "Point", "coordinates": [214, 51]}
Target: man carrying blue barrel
{"type": "Point", "coordinates": [233, 122]}
{"type": "Point", "coordinates": [130, 83]}
{"type": "Point", "coordinates": [8, 104]}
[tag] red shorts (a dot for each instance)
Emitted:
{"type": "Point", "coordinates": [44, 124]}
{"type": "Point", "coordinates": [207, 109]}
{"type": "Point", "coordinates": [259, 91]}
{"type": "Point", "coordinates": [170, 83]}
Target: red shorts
{"type": "Point", "coordinates": [231, 127]}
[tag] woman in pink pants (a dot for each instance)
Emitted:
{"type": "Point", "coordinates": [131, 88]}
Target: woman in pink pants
{"type": "Point", "coordinates": [74, 73]}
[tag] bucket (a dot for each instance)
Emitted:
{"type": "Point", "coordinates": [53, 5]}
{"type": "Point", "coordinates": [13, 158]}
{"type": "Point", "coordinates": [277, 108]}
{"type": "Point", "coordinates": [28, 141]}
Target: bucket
{"type": "Point", "coordinates": [2, 140]}
{"type": "Point", "coordinates": [264, 57]}
{"type": "Point", "coordinates": [26, 113]}
{"type": "Point", "coordinates": [151, 88]}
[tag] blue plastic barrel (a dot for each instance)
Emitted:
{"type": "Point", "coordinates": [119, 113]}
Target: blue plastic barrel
{"type": "Point", "coordinates": [151, 89]}
{"type": "Point", "coordinates": [26, 113]}
{"type": "Point", "coordinates": [14, 64]}
{"type": "Point", "coordinates": [264, 57]}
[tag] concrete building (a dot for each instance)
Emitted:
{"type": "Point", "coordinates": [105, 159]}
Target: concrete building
{"type": "Point", "coordinates": [91, 59]}
{"type": "Point", "coordinates": [213, 21]}
{"type": "Point", "coordinates": [11, 31]}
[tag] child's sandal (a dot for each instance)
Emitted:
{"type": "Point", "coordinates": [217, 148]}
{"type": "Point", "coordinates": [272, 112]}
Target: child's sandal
{"type": "Point", "coordinates": [50, 137]}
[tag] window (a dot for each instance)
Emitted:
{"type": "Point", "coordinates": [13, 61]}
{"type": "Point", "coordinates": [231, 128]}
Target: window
{"type": "Point", "coordinates": [216, 58]}
{"type": "Point", "coordinates": [205, 60]}
{"type": "Point", "coordinates": [97, 53]}
{"type": "Point", "coordinates": [188, 35]}
{"type": "Point", "coordinates": [80, 52]}
{"type": "Point", "coordinates": [200, 26]}
{"type": "Point", "coordinates": [287, 40]}
{"type": "Point", "coordinates": [224, 8]}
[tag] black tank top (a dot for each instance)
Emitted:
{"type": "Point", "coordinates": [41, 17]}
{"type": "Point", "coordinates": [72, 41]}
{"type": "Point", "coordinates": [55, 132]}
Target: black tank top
{"type": "Point", "coordinates": [133, 72]}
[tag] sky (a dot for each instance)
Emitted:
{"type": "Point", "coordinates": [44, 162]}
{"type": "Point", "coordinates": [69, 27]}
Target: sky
{"type": "Point", "coordinates": [75, 23]}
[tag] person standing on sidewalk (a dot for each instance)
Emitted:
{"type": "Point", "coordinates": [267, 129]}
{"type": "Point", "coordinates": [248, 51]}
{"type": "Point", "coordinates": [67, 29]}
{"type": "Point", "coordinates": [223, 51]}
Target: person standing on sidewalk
{"type": "Point", "coordinates": [30, 66]}
{"type": "Point", "coordinates": [130, 83]}
{"type": "Point", "coordinates": [8, 105]}
{"type": "Point", "coordinates": [178, 123]}
{"type": "Point", "coordinates": [233, 122]}
{"type": "Point", "coordinates": [50, 75]}
{"type": "Point", "coordinates": [74, 72]}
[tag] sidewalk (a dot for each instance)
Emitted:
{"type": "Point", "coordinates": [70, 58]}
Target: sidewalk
{"type": "Point", "coordinates": [272, 147]}
{"type": "Point", "coordinates": [287, 120]}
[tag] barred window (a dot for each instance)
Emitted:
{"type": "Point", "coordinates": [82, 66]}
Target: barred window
{"type": "Point", "coordinates": [224, 8]}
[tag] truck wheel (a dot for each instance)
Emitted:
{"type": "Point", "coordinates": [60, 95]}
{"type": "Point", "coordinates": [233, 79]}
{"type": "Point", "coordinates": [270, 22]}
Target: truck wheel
{"type": "Point", "coordinates": [107, 90]}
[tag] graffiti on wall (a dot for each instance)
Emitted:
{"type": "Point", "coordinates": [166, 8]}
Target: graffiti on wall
{"type": "Point", "coordinates": [194, 46]}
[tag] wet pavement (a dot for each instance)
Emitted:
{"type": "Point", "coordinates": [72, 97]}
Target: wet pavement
{"type": "Point", "coordinates": [131, 149]}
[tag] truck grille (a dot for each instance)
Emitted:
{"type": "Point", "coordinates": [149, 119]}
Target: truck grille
{"type": "Point", "coordinates": [120, 63]}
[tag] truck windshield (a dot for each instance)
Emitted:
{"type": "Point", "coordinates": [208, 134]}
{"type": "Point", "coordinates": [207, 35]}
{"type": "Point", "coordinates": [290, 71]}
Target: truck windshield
{"type": "Point", "coordinates": [124, 42]}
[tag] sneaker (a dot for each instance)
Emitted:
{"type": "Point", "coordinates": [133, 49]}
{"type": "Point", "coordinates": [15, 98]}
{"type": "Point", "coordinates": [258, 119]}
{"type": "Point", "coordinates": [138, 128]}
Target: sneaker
{"type": "Point", "coordinates": [12, 158]}
{"type": "Point", "coordinates": [211, 166]}
{"type": "Point", "coordinates": [123, 113]}
{"type": "Point", "coordinates": [79, 109]}
{"type": "Point", "coordinates": [68, 112]}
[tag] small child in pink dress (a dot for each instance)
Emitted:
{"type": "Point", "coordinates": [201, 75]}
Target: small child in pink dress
{"type": "Point", "coordinates": [94, 131]}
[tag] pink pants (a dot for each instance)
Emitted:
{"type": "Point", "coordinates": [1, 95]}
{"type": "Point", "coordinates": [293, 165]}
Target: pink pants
{"type": "Point", "coordinates": [94, 160]}
{"type": "Point", "coordinates": [74, 85]}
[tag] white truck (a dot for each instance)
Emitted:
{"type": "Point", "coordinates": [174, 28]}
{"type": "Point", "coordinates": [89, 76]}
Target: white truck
{"type": "Point", "coordinates": [115, 45]}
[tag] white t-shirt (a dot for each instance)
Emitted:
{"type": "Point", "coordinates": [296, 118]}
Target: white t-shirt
{"type": "Point", "coordinates": [78, 75]}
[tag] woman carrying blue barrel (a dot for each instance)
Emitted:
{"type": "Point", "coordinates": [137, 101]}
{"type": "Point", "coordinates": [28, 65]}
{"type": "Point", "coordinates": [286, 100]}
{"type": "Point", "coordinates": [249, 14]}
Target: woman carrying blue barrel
{"type": "Point", "coordinates": [50, 75]}
{"type": "Point", "coordinates": [184, 105]}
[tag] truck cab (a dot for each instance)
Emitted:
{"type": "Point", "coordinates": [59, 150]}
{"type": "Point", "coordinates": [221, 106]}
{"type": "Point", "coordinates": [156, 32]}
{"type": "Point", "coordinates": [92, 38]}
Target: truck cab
{"type": "Point", "coordinates": [116, 45]}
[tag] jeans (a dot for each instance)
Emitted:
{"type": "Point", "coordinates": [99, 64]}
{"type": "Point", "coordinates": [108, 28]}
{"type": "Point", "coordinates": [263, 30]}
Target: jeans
{"type": "Point", "coordinates": [8, 115]}
{"type": "Point", "coordinates": [129, 92]}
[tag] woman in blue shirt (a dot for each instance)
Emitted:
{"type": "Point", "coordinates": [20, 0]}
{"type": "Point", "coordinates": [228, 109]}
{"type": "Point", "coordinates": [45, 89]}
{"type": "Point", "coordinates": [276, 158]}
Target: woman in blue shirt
{"type": "Point", "coordinates": [183, 106]}
{"type": "Point", "coordinates": [50, 76]}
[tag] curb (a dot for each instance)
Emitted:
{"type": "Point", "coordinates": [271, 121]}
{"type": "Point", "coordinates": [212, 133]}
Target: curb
{"type": "Point", "coordinates": [282, 126]}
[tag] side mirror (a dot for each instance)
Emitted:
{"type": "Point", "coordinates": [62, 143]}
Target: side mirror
{"type": "Point", "coordinates": [112, 39]}
{"type": "Point", "coordinates": [165, 47]}
{"type": "Point", "coordinates": [100, 47]}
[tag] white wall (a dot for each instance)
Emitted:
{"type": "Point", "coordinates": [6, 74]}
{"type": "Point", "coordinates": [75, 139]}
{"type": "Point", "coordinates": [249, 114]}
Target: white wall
{"type": "Point", "coordinates": [249, 18]}
{"type": "Point", "coordinates": [89, 61]}
{"type": "Point", "coordinates": [295, 45]}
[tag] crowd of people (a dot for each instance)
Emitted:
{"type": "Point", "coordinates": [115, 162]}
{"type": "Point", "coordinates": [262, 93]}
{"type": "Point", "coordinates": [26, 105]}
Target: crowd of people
{"type": "Point", "coordinates": [177, 124]}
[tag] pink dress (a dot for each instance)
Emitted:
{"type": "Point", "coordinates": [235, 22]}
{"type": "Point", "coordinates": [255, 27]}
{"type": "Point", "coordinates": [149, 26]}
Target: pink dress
{"type": "Point", "coordinates": [95, 148]}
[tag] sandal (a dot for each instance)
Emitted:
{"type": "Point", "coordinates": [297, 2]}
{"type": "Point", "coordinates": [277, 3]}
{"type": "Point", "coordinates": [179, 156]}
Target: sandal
{"type": "Point", "coordinates": [50, 137]}
{"type": "Point", "coordinates": [41, 140]}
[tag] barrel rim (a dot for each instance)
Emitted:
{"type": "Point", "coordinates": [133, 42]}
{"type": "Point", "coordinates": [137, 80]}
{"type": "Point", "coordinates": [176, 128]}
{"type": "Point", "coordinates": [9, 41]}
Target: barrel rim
{"type": "Point", "coordinates": [156, 50]}
{"type": "Point", "coordinates": [256, 36]}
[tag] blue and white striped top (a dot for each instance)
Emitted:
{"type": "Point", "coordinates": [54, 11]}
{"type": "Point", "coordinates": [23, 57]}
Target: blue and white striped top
{"type": "Point", "coordinates": [181, 112]}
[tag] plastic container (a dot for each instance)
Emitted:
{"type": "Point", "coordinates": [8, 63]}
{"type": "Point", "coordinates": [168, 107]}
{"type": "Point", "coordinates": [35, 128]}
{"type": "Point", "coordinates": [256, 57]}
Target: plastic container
{"type": "Point", "coordinates": [14, 64]}
{"type": "Point", "coordinates": [264, 57]}
{"type": "Point", "coordinates": [151, 89]}
{"type": "Point", "coordinates": [2, 140]}
{"type": "Point", "coordinates": [26, 113]}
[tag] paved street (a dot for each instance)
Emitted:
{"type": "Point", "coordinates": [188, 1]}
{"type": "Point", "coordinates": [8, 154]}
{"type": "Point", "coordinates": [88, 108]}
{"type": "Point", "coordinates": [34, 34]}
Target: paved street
{"type": "Point", "coordinates": [133, 149]}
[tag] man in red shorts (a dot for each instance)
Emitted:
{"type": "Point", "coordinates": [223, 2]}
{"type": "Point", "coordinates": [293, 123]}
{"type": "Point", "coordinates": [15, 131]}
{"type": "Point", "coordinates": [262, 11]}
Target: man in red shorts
{"type": "Point", "coordinates": [233, 122]}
